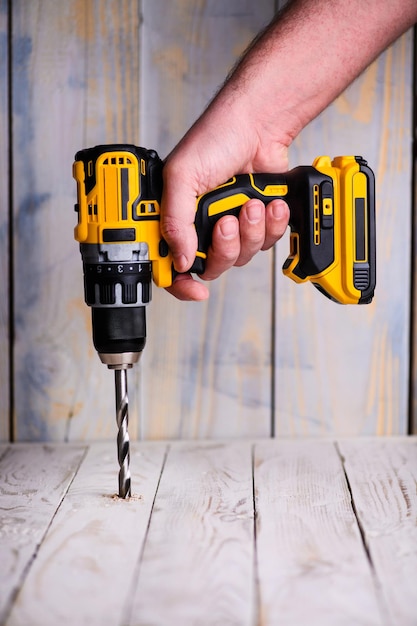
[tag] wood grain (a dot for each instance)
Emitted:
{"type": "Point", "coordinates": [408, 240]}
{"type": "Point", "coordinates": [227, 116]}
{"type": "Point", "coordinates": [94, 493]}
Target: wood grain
{"type": "Point", "coordinates": [33, 481]}
{"type": "Point", "coordinates": [197, 566]}
{"type": "Point", "coordinates": [312, 566]}
{"type": "Point", "coordinates": [335, 539]}
{"type": "Point", "coordinates": [96, 539]}
{"type": "Point", "coordinates": [383, 478]}
{"type": "Point", "coordinates": [344, 370]}
{"type": "Point", "coordinates": [4, 225]}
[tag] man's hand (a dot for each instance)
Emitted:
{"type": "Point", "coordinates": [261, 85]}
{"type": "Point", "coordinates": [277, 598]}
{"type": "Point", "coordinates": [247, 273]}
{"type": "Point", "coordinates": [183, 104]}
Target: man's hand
{"type": "Point", "coordinates": [235, 242]}
{"type": "Point", "coordinates": [201, 162]}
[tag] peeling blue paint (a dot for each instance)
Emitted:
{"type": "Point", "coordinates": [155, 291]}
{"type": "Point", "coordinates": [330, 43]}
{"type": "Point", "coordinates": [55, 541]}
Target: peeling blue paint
{"type": "Point", "coordinates": [27, 241]}
{"type": "Point", "coordinates": [34, 378]}
{"type": "Point", "coordinates": [3, 48]}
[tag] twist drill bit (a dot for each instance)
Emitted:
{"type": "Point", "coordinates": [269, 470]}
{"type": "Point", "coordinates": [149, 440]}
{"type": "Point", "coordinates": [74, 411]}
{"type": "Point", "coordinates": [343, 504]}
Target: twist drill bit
{"type": "Point", "coordinates": [123, 442]}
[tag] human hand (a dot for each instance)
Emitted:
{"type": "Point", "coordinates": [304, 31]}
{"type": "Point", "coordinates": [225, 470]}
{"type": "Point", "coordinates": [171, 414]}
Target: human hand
{"type": "Point", "coordinates": [214, 150]}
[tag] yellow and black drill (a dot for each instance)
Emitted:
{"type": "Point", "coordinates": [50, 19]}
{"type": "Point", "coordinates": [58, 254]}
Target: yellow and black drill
{"type": "Point", "coordinates": [119, 189]}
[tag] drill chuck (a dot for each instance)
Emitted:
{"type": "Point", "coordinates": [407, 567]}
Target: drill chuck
{"type": "Point", "coordinates": [119, 335]}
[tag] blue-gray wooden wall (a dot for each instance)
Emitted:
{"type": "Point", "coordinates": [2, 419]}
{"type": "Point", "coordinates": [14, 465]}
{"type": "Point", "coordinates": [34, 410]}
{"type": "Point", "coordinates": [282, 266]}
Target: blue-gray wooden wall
{"type": "Point", "coordinates": [262, 355]}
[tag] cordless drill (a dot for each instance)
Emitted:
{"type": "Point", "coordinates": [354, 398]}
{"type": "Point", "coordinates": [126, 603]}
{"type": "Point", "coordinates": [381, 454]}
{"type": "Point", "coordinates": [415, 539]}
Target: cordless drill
{"type": "Point", "coordinates": [119, 189]}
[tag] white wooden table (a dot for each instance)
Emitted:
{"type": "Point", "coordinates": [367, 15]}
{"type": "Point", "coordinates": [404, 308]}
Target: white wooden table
{"type": "Point", "coordinates": [244, 533]}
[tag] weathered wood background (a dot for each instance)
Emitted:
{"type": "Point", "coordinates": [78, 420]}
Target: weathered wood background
{"type": "Point", "coordinates": [263, 355]}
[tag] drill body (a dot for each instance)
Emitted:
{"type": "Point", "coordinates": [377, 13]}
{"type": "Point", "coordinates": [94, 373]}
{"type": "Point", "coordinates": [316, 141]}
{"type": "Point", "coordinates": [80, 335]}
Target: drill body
{"type": "Point", "coordinates": [119, 189]}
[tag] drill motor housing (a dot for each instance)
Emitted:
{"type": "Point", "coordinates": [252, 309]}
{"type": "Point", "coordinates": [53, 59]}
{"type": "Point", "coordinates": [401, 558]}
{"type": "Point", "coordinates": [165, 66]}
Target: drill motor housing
{"type": "Point", "coordinates": [118, 191]}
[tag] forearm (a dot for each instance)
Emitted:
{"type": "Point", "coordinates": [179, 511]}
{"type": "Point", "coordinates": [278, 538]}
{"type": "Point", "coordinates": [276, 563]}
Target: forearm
{"type": "Point", "coordinates": [308, 56]}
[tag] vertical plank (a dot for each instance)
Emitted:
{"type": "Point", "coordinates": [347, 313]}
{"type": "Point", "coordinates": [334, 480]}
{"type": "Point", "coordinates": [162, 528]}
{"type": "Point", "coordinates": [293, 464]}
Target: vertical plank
{"type": "Point", "coordinates": [197, 566]}
{"type": "Point", "coordinates": [383, 479]}
{"type": "Point", "coordinates": [75, 84]}
{"type": "Point", "coordinates": [213, 359]}
{"type": "Point", "coordinates": [33, 481]}
{"type": "Point", "coordinates": [85, 565]}
{"type": "Point", "coordinates": [345, 369]}
{"type": "Point", "coordinates": [4, 224]}
{"type": "Point", "coordinates": [312, 567]}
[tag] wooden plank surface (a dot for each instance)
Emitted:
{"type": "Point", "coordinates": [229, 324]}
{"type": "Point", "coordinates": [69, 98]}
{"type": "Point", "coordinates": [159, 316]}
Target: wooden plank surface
{"type": "Point", "coordinates": [33, 481]}
{"type": "Point", "coordinates": [197, 566]}
{"type": "Point", "coordinates": [4, 223]}
{"type": "Point", "coordinates": [383, 479]}
{"type": "Point", "coordinates": [96, 539]}
{"type": "Point", "coordinates": [184, 549]}
{"type": "Point", "coordinates": [344, 370]}
{"type": "Point", "coordinates": [312, 566]}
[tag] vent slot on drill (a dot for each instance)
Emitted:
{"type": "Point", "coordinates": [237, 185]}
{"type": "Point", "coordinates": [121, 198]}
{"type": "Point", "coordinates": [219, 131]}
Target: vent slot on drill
{"type": "Point", "coordinates": [117, 161]}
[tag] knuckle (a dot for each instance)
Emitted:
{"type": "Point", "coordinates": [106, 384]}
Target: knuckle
{"type": "Point", "coordinates": [170, 230]}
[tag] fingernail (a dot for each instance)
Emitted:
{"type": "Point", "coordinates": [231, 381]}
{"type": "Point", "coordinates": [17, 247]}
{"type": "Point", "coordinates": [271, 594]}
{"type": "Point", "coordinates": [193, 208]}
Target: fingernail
{"type": "Point", "coordinates": [254, 212]}
{"type": "Point", "coordinates": [229, 228]}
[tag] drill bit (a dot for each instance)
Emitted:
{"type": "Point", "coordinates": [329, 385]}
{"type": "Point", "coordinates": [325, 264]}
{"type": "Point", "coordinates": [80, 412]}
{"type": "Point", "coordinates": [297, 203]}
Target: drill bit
{"type": "Point", "coordinates": [123, 442]}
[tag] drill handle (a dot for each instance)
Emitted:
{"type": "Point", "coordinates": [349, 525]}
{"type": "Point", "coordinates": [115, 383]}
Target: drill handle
{"type": "Point", "coordinates": [228, 199]}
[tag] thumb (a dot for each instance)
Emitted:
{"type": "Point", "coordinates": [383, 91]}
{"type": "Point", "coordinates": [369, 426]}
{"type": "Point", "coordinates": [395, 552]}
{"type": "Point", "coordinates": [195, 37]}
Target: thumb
{"type": "Point", "coordinates": [177, 217]}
